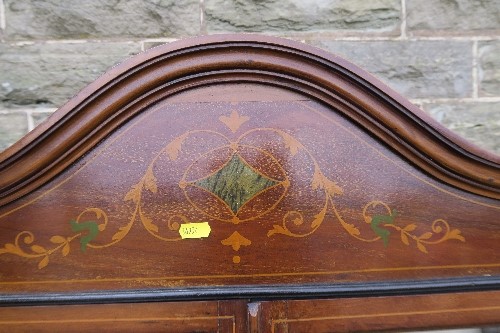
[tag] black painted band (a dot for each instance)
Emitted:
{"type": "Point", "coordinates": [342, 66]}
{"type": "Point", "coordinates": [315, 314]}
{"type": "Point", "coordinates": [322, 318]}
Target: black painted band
{"type": "Point", "coordinates": [260, 293]}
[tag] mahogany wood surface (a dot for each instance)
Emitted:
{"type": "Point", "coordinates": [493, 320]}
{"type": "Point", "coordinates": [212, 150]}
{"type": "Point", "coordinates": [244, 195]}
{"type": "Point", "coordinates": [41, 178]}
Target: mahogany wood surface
{"type": "Point", "coordinates": [178, 317]}
{"type": "Point", "coordinates": [314, 178]}
{"type": "Point", "coordinates": [380, 314]}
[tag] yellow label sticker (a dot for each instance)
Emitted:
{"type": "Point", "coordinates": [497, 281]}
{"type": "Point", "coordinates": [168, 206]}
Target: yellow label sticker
{"type": "Point", "coordinates": [194, 230]}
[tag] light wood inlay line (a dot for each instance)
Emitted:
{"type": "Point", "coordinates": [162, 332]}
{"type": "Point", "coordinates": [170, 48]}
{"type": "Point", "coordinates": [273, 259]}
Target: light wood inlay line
{"type": "Point", "coordinates": [227, 276]}
{"type": "Point", "coordinates": [103, 320]}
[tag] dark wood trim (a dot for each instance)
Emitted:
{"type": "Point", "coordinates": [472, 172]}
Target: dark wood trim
{"type": "Point", "coordinates": [122, 92]}
{"type": "Point", "coordinates": [261, 293]}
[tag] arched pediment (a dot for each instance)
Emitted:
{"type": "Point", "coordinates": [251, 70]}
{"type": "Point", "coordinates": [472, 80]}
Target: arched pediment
{"type": "Point", "coordinates": [143, 80]}
{"type": "Point", "coordinates": [294, 165]}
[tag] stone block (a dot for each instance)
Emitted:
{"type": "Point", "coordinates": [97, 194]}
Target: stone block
{"type": "Point", "coordinates": [39, 117]}
{"type": "Point", "coordinates": [95, 19]}
{"type": "Point", "coordinates": [13, 125]}
{"type": "Point", "coordinates": [478, 122]}
{"type": "Point", "coordinates": [50, 74]}
{"type": "Point", "coordinates": [453, 17]}
{"type": "Point", "coordinates": [489, 68]}
{"type": "Point", "coordinates": [152, 44]}
{"type": "Point", "coordinates": [295, 16]}
{"type": "Point", "coordinates": [416, 69]}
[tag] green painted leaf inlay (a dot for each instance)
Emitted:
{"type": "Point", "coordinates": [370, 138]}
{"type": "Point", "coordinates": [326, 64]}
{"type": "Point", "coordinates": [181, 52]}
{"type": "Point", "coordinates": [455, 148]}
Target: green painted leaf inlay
{"type": "Point", "coordinates": [377, 220]}
{"type": "Point", "coordinates": [90, 226]}
{"type": "Point", "coordinates": [236, 183]}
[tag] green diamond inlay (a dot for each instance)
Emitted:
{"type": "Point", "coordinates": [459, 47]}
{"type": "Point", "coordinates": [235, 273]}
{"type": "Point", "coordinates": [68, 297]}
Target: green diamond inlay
{"type": "Point", "coordinates": [235, 183]}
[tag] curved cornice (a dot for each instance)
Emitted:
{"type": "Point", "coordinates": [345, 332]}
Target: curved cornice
{"type": "Point", "coordinates": [128, 88]}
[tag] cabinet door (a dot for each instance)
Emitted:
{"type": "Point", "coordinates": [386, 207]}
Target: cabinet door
{"type": "Point", "coordinates": [378, 313]}
{"type": "Point", "coordinates": [178, 317]}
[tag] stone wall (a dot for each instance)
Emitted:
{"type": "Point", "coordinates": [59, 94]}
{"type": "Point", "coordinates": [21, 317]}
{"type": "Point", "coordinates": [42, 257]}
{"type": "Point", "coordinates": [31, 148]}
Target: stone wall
{"type": "Point", "coordinates": [442, 54]}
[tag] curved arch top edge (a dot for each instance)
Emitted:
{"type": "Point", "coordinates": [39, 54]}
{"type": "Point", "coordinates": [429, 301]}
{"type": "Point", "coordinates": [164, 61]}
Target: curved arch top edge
{"type": "Point", "coordinates": [107, 81]}
{"type": "Point", "coordinates": [192, 44]}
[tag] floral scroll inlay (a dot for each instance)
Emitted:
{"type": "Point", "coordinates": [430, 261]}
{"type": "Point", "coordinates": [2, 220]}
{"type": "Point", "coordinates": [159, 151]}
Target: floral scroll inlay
{"type": "Point", "coordinates": [24, 246]}
{"type": "Point", "coordinates": [234, 185]}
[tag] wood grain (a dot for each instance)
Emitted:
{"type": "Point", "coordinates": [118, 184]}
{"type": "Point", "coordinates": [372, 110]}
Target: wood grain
{"type": "Point", "coordinates": [381, 313]}
{"type": "Point", "coordinates": [134, 317]}
{"type": "Point", "coordinates": [348, 205]}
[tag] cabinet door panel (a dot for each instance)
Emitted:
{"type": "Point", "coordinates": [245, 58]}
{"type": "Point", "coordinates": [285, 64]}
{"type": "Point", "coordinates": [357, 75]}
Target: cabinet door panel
{"type": "Point", "coordinates": [175, 317]}
{"type": "Point", "coordinates": [381, 313]}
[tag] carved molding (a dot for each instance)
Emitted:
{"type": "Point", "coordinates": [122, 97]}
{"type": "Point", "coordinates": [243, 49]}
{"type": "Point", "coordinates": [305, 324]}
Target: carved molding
{"type": "Point", "coordinates": [130, 87]}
